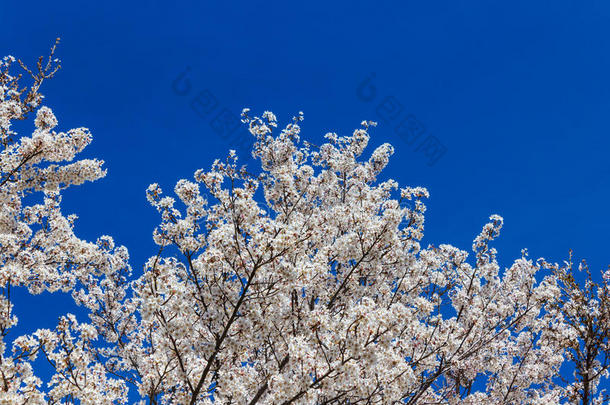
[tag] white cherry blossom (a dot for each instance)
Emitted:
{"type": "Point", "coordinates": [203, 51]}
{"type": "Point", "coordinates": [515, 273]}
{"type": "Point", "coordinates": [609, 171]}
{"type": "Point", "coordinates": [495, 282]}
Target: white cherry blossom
{"type": "Point", "coordinates": [305, 283]}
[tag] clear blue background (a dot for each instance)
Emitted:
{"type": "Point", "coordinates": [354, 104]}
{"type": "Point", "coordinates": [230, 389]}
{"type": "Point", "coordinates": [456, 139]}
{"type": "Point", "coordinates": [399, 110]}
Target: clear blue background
{"type": "Point", "coordinates": [518, 92]}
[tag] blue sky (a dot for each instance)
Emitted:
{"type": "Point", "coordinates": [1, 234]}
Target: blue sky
{"type": "Point", "coordinates": [517, 94]}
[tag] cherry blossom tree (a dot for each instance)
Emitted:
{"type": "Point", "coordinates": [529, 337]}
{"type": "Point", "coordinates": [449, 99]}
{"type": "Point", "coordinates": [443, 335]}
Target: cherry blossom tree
{"type": "Point", "coordinates": [39, 251]}
{"type": "Point", "coordinates": [586, 310]}
{"type": "Point", "coordinates": [303, 281]}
